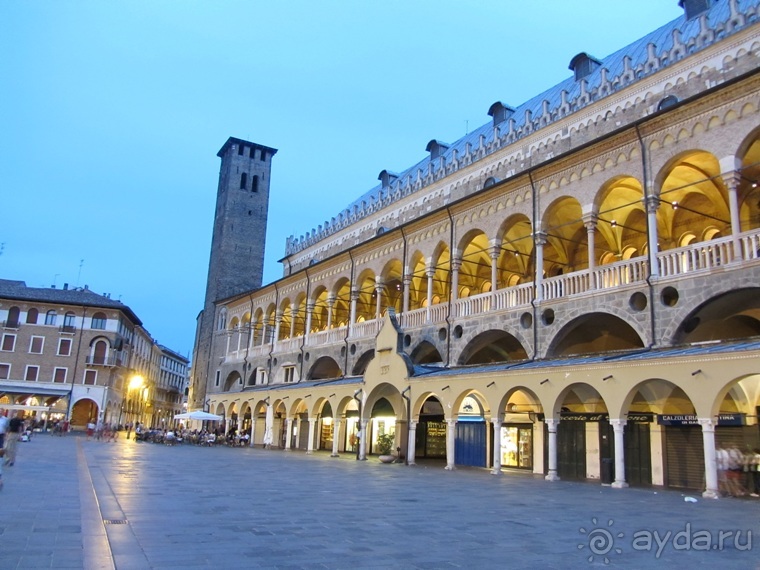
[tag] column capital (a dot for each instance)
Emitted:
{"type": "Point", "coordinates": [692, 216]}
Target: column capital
{"type": "Point", "coordinates": [451, 422]}
{"type": "Point", "coordinates": [497, 421]}
{"type": "Point", "coordinates": [732, 179]}
{"type": "Point", "coordinates": [618, 423]}
{"type": "Point", "coordinates": [540, 238]}
{"type": "Point", "coordinates": [310, 306]}
{"type": "Point", "coordinates": [652, 203]}
{"type": "Point", "coordinates": [551, 423]}
{"type": "Point", "coordinates": [707, 424]}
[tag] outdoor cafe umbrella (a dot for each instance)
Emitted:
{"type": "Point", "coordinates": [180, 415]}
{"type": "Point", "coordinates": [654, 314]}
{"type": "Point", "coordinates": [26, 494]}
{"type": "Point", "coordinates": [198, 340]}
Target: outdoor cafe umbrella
{"type": "Point", "coordinates": [198, 415]}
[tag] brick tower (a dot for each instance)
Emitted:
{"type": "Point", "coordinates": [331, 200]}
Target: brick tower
{"type": "Point", "coordinates": [236, 263]}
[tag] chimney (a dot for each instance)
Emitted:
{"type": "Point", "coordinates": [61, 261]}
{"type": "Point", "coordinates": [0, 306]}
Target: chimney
{"type": "Point", "coordinates": [65, 286]}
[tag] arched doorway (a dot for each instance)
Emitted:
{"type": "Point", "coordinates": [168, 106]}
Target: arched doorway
{"type": "Point", "coordinates": [82, 412]}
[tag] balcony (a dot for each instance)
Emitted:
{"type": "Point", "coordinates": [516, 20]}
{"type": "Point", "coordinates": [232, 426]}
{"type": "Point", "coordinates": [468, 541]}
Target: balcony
{"type": "Point", "coordinates": [108, 361]}
{"type": "Point", "coordinates": [68, 329]}
{"type": "Point", "coordinates": [14, 324]}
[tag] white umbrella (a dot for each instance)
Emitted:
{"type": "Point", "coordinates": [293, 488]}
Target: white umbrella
{"type": "Point", "coordinates": [268, 439]}
{"type": "Point", "coordinates": [198, 415]}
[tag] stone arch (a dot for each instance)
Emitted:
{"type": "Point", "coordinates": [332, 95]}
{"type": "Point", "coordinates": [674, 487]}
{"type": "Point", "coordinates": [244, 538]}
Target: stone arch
{"type": "Point", "coordinates": [732, 315]}
{"type": "Point", "coordinates": [324, 367]}
{"type": "Point", "coordinates": [594, 333]}
{"type": "Point", "coordinates": [233, 380]}
{"type": "Point", "coordinates": [426, 353]}
{"type": "Point", "coordinates": [362, 362]}
{"type": "Point", "coordinates": [492, 346]}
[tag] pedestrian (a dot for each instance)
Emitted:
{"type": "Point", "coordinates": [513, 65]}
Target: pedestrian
{"type": "Point", "coordinates": [15, 429]}
{"type": "Point", "coordinates": [129, 429]}
{"type": "Point", "coordinates": [90, 429]}
{"type": "Point", "coordinates": [3, 428]}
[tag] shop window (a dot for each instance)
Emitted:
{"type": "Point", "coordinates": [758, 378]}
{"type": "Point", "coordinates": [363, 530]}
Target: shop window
{"type": "Point", "coordinates": [31, 316]}
{"type": "Point", "coordinates": [31, 373]}
{"type": "Point", "coordinates": [9, 342]}
{"type": "Point", "coordinates": [90, 377]}
{"type": "Point", "coordinates": [64, 347]}
{"type": "Point", "coordinates": [99, 321]}
{"type": "Point", "coordinates": [35, 344]}
{"type": "Point", "coordinates": [59, 375]}
{"type": "Point", "coordinates": [50, 318]}
{"type": "Point", "coordinates": [5, 371]}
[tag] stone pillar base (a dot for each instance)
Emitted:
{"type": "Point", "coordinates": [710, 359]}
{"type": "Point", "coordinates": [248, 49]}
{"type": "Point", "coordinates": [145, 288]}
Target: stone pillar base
{"type": "Point", "coordinates": [495, 471]}
{"type": "Point", "coordinates": [711, 494]}
{"type": "Point", "coordinates": [309, 452]}
{"type": "Point", "coordinates": [552, 476]}
{"type": "Point", "coordinates": [334, 455]}
{"type": "Point", "coordinates": [619, 485]}
{"type": "Point", "coordinates": [450, 468]}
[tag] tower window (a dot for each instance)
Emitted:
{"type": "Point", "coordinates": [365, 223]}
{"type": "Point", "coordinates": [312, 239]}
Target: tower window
{"type": "Point", "coordinates": [263, 155]}
{"type": "Point", "coordinates": [243, 181]}
{"type": "Point", "coordinates": [240, 149]}
{"type": "Point", "coordinates": [255, 184]}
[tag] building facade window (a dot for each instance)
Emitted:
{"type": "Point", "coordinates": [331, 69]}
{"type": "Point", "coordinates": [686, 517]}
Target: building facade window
{"type": "Point", "coordinates": [218, 377]}
{"type": "Point", "coordinates": [9, 343]}
{"type": "Point", "coordinates": [35, 344]}
{"type": "Point", "coordinates": [5, 371]}
{"type": "Point", "coordinates": [31, 373]}
{"type": "Point", "coordinates": [99, 321]}
{"type": "Point", "coordinates": [290, 373]}
{"type": "Point", "coordinates": [13, 317]}
{"type": "Point", "coordinates": [243, 181]}
{"type": "Point", "coordinates": [64, 347]}
{"type": "Point", "coordinates": [99, 352]}
{"type": "Point", "coordinates": [90, 377]}
{"type": "Point", "coordinates": [50, 317]}
{"type": "Point", "coordinates": [59, 375]}
{"type": "Point", "coordinates": [69, 321]}
{"type": "Point", "coordinates": [31, 316]}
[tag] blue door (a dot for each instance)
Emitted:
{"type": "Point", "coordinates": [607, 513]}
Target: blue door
{"type": "Point", "coordinates": [470, 446]}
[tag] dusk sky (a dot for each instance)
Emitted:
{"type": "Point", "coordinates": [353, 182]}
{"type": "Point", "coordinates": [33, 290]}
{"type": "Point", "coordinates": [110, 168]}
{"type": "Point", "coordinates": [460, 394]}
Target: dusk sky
{"type": "Point", "coordinates": [111, 115]}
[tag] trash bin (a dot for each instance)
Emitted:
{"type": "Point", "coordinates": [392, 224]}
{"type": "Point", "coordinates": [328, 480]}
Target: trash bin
{"type": "Point", "coordinates": [608, 471]}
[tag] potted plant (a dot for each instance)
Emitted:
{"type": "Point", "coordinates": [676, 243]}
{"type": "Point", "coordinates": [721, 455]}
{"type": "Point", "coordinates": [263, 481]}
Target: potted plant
{"type": "Point", "coordinates": [385, 447]}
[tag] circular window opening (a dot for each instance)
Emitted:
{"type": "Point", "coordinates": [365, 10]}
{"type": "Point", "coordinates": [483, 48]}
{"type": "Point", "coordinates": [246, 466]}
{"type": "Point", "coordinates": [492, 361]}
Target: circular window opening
{"type": "Point", "coordinates": [274, 362]}
{"type": "Point", "coordinates": [669, 297]}
{"type": "Point", "coordinates": [307, 357]}
{"type": "Point", "coordinates": [300, 359]}
{"type": "Point", "coordinates": [526, 320]}
{"type": "Point", "coordinates": [547, 317]}
{"type": "Point", "coordinates": [638, 301]}
{"type": "Point", "coordinates": [458, 331]}
{"type": "Point", "coordinates": [442, 334]}
{"type": "Point", "coordinates": [407, 340]}
{"type": "Point", "coordinates": [353, 349]}
{"type": "Point", "coordinates": [343, 351]}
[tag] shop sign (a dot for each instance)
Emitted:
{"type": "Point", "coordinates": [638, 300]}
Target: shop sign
{"type": "Point", "coordinates": [583, 417]}
{"type": "Point", "coordinates": [692, 420]}
{"type": "Point", "coordinates": [640, 418]}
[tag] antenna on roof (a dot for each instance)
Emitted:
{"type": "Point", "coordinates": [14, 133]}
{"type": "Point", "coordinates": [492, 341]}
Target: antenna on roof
{"type": "Point", "coordinates": [466, 127]}
{"type": "Point", "coordinates": [81, 263]}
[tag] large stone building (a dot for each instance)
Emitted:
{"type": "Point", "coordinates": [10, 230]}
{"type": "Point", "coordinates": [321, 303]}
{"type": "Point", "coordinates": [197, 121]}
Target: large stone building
{"type": "Point", "coordinates": [72, 353]}
{"type": "Point", "coordinates": [570, 289]}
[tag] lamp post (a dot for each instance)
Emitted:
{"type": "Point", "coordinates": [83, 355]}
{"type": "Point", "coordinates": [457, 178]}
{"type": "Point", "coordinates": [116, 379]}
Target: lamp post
{"type": "Point", "coordinates": [135, 383]}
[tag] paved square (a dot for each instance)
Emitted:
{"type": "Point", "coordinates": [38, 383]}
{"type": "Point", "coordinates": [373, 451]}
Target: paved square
{"type": "Point", "coordinates": [73, 503]}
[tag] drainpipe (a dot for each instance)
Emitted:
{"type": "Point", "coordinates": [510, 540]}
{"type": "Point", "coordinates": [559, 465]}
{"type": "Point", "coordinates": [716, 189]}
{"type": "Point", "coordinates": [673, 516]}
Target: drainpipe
{"type": "Point", "coordinates": [248, 343]}
{"type": "Point", "coordinates": [652, 256]}
{"type": "Point", "coordinates": [408, 420]}
{"type": "Point", "coordinates": [450, 283]}
{"type": "Point", "coordinates": [305, 318]}
{"type": "Point", "coordinates": [348, 328]}
{"type": "Point", "coordinates": [272, 341]}
{"type": "Point", "coordinates": [535, 263]}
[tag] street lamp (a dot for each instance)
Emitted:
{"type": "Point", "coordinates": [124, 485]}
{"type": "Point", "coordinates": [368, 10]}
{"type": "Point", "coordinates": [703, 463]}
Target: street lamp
{"type": "Point", "coordinates": [135, 383]}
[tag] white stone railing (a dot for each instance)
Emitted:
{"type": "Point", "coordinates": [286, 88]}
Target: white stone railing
{"type": "Point", "coordinates": [330, 336]}
{"type": "Point", "coordinates": [288, 344]}
{"type": "Point", "coordinates": [701, 256]}
{"type": "Point", "coordinates": [565, 285]}
{"type": "Point", "coordinates": [511, 297]}
{"type": "Point", "coordinates": [364, 329]}
{"type": "Point", "coordinates": [414, 318]}
{"type": "Point", "coordinates": [750, 245]}
{"type": "Point", "coordinates": [474, 305]}
{"type": "Point", "coordinates": [621, 273]}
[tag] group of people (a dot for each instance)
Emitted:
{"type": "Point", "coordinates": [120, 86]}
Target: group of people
{"type": "Point", "coordinates": [738, 472]}
{"type": "Point", "coordinates": [102, 431]}
{"type": "Point", "coordinates": [11, 431]}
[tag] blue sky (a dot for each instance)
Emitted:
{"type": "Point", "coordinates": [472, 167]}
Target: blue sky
{"type": "Point", "coordinates": [112, 113]}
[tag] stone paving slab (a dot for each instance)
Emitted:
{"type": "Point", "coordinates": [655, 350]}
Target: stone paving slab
{"type": "Point", "coordinates": [73, 503]}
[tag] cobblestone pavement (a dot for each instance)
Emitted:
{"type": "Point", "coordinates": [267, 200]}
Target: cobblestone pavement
{"type": "Point", "coordinates": [73, 503]}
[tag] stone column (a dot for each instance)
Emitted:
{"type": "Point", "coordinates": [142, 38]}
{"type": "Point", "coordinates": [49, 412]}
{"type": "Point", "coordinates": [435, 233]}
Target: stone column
{"type": "Point", "coordinates": [310, 443]}
{"type": "Point", "coordinates": [362, 439]}
{"type": "Point", "coordinates": [407, 291]}
{"type": "Point", "coordinates": [307, 328]}
{"type": "Point", "coordinates": [732, 180]}
{"type": "Point", "coordinates": [277, 323]}
{"type": "Point", "coordinates": [451, 434]}
{"type": "Point", "coordinates": [652, 203]}
{"type": "Point", "coordinates": [293, 312]}
{"type": "Point", "coordinates": [352, 319]}
{"type": "Point", "coordinates": [288, 435]}
{"type": "Point", "coordinates": [253, 429]}
{"type": "Point", "coordinates": [411, 446]}
{"type": "Point", "coordinates": [496, 446]}
{"type": "Point", "coordinates": [336, 437]}
{"type": "Point", "coordinates": [456, 264]}
{"type": "Point", "coordinates": [430, 273]}
{"type": "Point", "coordinates": [495, 250]}
{"type": "Point", "coordinates": [618, 426]}
{"type": "Point", "coordinates": [330, 305]}
{"type": "Point", "coordinates": [590, 222]}
{"type": "Point", "coordinates": [540, 240]}
{"type": "Point", "coordinates": [711, 464]}
{"type": "Point", "coordinates": [263, 333]}
{"type": "Point", "coordinates": [552, 424]}
{"type": "Point", "coordinates": [378, 297]}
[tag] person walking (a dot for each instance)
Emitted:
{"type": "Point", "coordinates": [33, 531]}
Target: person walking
{"type": "Point", "coordinates": [15, 429]}
{"type": "Point", "coordinates": [3, 428]}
